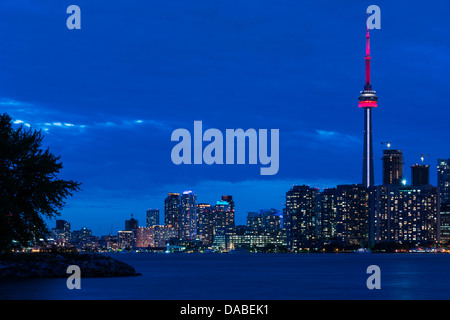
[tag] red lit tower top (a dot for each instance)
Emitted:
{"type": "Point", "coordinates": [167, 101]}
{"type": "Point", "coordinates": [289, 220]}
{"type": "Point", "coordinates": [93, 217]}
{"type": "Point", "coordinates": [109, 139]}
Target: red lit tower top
{"type": "Point", "coordinates": [368, 98]}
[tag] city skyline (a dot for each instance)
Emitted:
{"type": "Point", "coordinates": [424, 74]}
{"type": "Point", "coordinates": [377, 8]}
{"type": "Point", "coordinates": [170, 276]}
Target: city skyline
{"type": "Point", "coordinates": [391, 214]}
{"type": "Point", "coordinates": [123, 95]}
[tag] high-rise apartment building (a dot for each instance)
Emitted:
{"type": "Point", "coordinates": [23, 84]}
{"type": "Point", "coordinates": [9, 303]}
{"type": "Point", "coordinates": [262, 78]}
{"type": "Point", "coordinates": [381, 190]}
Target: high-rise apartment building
{"type": "Point", "coordinates": [205, 223]}
{"type": "Point", "coordinates": [392, 167]}
{"type": "Point", "coordinates": [81, 235]}
{"type": "Point", "coordinates": [443, 170]}
{"type": "Point", "coordinates": [61, 233]}
{"type": "Point", "coordinates": [172, 211]}
{"type": "Point", "coordinates": [345, 214]}
{"type": "Point", "coordinates": [328, 214]}
{"type": "Point", "coordinates": [144, 237]}
{"type": "Point", "coordinates": [188, 215]}
{"type": "Point", "coordinates": [230, 216]}
{"type": "Point", "coordinates": [299, 217]}
{"type": "Point", "coordinates": [154, 236]}
{"type": "Point", "coordinates": [125, 240]}
{"type": "Point", "coordinates": [420, 174]}
{"type": "Point", "coordinates": [406, 213]}
{"type": "Point", "coordinates": [445, 223]}
{"type": "Point", "coordinates": [131, 224]}
{"type": "Point", "coordinates": [163, 234]}
{"type": "Point", "coordinates": [152, 217]}
{"type": "Point", "coordinates": [221, 211]}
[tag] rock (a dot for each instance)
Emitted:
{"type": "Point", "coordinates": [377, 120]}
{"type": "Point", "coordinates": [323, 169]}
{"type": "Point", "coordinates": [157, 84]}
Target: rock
{"type": "Point", "coordinates": [47, 265]}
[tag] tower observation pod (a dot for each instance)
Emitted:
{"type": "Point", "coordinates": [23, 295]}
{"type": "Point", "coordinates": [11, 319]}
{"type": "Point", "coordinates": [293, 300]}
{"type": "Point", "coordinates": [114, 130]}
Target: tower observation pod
{"type": "Point", "coordinates": [368, 100]}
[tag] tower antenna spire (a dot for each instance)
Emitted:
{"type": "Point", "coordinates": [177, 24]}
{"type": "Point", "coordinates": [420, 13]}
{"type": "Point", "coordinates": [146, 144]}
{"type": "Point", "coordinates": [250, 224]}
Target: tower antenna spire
{"type": "Point", "coordinates": [368, 86]}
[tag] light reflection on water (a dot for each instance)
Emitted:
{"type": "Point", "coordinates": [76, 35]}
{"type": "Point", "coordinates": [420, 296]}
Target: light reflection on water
{"type": "Point", "coordinates": [253, 276]}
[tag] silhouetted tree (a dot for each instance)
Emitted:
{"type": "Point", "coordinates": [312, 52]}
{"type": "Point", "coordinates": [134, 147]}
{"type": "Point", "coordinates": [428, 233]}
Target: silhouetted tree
{"type": "Point", "coordinates": [29, 187]}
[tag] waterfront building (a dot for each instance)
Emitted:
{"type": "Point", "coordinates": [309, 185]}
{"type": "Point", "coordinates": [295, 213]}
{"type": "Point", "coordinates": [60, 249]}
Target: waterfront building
{"type": "Point", "coordinates": [205, 223]}
{"type": "Point", "coordinates": [107, 243]}
{"type": "Point", "coordinates": [443, 178]}
{"type": "Point", "coordinates": [188, 215]}
{"type": "Point", "coordinates": [221, 211]}
{"type": "Point", "coordinates": [345, 214]}
{"type": "Point", "coordinates": [264, 218]}
{"type": "Point", "coordinates": [125, 240]}
{"type": "Point", "coordinates": [445, 224]}
{"type": "Point", "coordinates": [254, 238]}
{"type": "Point", "coordinates": [230, 214]}
{"type": "Point", "coordinates": [152, 217]}
{"type": "Point", "coordinates": [131, 224]}
{"type": "Point", "coordinates": [299, 217]}
{"type": "Point", "coordinates": [61, 234]}
{"type": "Point", "coordinates": [406, 213]}
{"type": "Point", "coordinates": [420, 174]}
{"type": "Point", "coordinates": [145, 237]}
{"type": "Point", "coordinates": [172, 211]}
{"type": "Point", "coordinates": [392, 167]}
{"type": "Point", "coordinates": [163, 234]}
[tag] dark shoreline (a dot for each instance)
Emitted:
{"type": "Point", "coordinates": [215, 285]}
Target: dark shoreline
{"type": "Point", "coordinates": [54, 265]}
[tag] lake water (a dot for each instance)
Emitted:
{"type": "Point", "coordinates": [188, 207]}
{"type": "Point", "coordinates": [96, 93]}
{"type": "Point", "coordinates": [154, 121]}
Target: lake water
{"type": "Point", "coordinates": [254, 277]}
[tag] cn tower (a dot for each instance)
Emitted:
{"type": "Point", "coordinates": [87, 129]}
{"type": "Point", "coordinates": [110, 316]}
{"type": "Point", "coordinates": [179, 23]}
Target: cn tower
{"type": "Point", "coordinates": [367, 101]}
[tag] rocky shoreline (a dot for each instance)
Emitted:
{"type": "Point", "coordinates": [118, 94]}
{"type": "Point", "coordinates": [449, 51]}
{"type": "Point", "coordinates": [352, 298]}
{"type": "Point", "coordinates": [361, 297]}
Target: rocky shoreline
{"type": "Point", "coordinates": [40, 265]}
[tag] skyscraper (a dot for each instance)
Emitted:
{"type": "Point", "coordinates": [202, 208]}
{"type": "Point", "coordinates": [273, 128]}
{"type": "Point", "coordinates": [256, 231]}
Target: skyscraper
{"type": "Point", "coordinates": [188, 215]}
{"type": "Point", "coordinates": [205, 223]}
{"type": "Point", "coordinates": [61, 233]}
{"type": "Point", "coordinates": [81, 235]}
{"type": "Point", "coordinates": [230, 217]}
{"type": "Point", "coordinates": [405, 213]}
{"type": "Point", "coordinates": [254, 220]}
{"type": "Point", "coordinates": [152, 217]}
{"type": "Point", "coordinates": [62, 226]}
{"type": "Point", "coordinates": [299, 217]}
{"type": "Point", "coordinates": [220, 213]}
{"type": "Point", "coordinates": [131, 224]}
{"type": "Point", "coordinates": [125, 240]}
{"type": "Point", "coordinates": [144, 237]}
{"type": "Point", "coordinates": [445, 223]}
{"type": "Point", "coordinates": [345, 214]}
{"type": "Point", "coordinates": [392, 167]}
{"type": "Point", "coordinates": [443, 170]}
{"type": "Point", "coordinates": [420, 174]}
{"type": "Point", "coordinates": [163, 234]}
{"type": "Point", "coordinates": [172, 211]}
{"type": "Point", "coordinates": [367, 101]}
{"type": "Point", "coordinates": [328, 214]}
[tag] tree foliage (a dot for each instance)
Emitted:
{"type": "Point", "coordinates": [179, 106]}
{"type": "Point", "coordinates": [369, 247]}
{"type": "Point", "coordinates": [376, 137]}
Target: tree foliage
{"type": "Point", "coordinates": [29, 187]}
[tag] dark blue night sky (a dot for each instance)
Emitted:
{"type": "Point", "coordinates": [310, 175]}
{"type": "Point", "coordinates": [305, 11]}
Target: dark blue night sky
{"type": "Point", "coordinates": [108, 96]}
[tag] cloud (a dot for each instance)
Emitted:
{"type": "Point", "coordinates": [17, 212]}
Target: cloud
{"type": "Point", "coordinates": [35, 115]}
{"type": "Point", "coordinates": [317, 138]}
{"type": "Point", "coordinates": [334, 136]}
{"type": "Point", "coordinates": [127, 124]}
{"type": "Point", "coordinates": [65, 125]}
{"type": "Point", "coordinates": [21, 122]}
{"type": "Point", "coordinates": [10, 102]}
{"type": "Point", "coordinates": [326, 133]}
